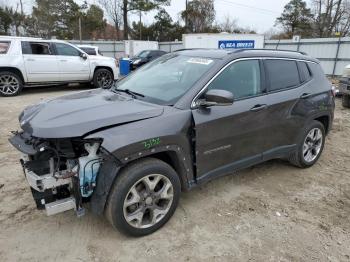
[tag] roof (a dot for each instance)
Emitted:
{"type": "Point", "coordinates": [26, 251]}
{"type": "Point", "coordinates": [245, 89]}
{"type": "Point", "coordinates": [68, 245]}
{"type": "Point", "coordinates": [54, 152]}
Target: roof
{"type": "Point", "coordinates": [19, 37]}
{"type": "Point", "coordinates": [87, 46]}
{"type": "Point", "coordinates": [241, 53]}
{"type": "Point", "coordinates": [31, 38]}
{"type": "Point", "coordinates": [209, 53]}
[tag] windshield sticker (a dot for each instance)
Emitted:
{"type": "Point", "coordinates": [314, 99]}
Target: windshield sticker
{"type": "Point", "coordinates": [201, 61]}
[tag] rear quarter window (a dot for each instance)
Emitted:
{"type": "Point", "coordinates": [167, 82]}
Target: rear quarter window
{"type": "Point", "coordinates": [305, 73]}
{"type": "Point", "coordinates": [4, 47]}
{"type": "Point", "coordinates": [282, 74]}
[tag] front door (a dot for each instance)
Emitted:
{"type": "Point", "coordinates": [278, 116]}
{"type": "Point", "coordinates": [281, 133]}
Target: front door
{"type": "Point", "coordinates": [40, 62]}
{"type": "Point", "coordinates": [231, 137]}
{"type": "Point", "coordinates": [72, 66]}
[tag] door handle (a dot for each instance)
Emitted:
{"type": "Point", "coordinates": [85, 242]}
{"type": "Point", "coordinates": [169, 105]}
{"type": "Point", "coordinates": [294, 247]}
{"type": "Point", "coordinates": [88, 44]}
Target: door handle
{"type": "Point", "coordinates": [30, 60]}
{"type": "Point", "coordinates": [305, 95]}
{"type": "Point", "coordinates": [257, 108]}
{"type": "Point", "coordinates": [63, 60]}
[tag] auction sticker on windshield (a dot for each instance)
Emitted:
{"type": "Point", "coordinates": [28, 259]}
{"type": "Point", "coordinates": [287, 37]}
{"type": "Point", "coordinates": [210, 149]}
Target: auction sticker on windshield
{"type": "Point", "coordinates": [201, 61]}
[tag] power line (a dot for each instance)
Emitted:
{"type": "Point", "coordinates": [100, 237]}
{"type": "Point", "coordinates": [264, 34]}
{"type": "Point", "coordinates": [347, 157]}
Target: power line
{"type": "Point", "coordinates": [262, 10]}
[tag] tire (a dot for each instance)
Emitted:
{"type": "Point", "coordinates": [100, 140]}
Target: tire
{"type": "Point", "coordinates": [303, 157]}
{"type": "Point", "coordinates": [10, 84]}
{"type": "Point", "coordinates": [103, 78]}
{"type": "Point", "coordinates": [346, 101]}
{"type": "Point", "coordinates": [129, 208]}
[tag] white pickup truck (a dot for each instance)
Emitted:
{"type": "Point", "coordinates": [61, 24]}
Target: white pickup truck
{"type": "Point", "coordinates": [28, 62]}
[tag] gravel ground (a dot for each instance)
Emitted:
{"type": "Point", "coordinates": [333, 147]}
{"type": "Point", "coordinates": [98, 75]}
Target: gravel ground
{"type": "Point", "coordinates": [271, 212]}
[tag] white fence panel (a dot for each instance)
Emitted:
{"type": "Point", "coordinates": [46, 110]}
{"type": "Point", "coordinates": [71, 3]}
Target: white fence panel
{"type": "Point", "coordinates": [334, 53]}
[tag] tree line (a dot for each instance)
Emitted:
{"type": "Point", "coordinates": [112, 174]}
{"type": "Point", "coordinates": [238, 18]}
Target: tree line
{"type": "Point", "coordinates": [61, 19]}
{"type": "Point", "coordinates": [110, 19]}
{"type": "Point", "coordinates": [52, 19]}
{"type": "Point", "coordinates": [323, 18]}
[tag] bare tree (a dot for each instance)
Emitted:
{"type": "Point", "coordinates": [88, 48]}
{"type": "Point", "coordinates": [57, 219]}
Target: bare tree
{"type": "Point", "coordinates": [114, 10]}
{"type": "Point", "coordinates": [331, 16]}
{"type": "Point", "coordinates": [229, 24]}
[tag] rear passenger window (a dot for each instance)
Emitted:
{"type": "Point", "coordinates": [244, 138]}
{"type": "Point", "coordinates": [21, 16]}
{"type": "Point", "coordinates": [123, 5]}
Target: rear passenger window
{"type": "Point", "coordinates": [282, 74]}
{"type": "Point", "coordinates": [36, 48]}
{"type": "Point", "coordinates": [4, 46]}
{"type": "Point", "coordinates": [305, 74]}
{"type": "Point", "coordinates": [241, 78]}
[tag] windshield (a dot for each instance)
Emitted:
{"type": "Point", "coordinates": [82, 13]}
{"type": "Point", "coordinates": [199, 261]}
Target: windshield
{"type": "Point", "coordinates": [166, 79]}
{"type": "Point", "coordinates": [143, 54]}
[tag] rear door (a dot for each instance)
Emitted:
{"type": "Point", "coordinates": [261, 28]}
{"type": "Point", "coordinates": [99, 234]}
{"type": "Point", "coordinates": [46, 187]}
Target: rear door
{"type": "Point", "coordinates": [40, 62]}
{"type": "Point", "coordinates": [71, 65]}
{"type": "Point", "coordinates": [230, 137]}
{"type": "Point", "coordinates": [286, 88]}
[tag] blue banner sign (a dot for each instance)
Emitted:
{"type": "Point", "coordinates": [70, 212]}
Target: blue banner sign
{"type": "Point", "coordinates": [236, 44]}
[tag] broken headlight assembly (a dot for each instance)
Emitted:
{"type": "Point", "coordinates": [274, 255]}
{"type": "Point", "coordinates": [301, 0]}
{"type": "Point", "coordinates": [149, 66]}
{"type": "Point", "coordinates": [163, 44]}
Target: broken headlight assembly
{"type": "Point", "coordinates": [61, 172]}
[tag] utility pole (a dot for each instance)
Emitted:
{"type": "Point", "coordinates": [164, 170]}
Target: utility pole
{"type": "Point", "coordinates": [140, 25]}
{"type": "Point", "coordinates": [80, 29]}
{"type": "Point", "coordinates": [186, 16]}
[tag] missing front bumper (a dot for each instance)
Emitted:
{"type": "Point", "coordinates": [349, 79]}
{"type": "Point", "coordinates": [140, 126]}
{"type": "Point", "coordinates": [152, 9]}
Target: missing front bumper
{"type": "Point", "coordinates": [51, 194]}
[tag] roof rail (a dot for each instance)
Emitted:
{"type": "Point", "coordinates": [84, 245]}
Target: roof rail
{"type": "Point", "coordinates": [264, 49]}
{"type": "Point", "coordinates": [188, 49]}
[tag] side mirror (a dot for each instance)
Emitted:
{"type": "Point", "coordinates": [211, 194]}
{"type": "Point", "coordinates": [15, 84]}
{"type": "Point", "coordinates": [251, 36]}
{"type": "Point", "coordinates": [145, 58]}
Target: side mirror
{"type": "Point", "coordinates": [83, 56]}
{"type": "Point", "coordinates": [216, 97]}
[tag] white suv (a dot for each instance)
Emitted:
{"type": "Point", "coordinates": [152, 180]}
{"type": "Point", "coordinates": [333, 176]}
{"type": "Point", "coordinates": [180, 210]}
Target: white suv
{"type": "Point", "coordinates": [33, 62]}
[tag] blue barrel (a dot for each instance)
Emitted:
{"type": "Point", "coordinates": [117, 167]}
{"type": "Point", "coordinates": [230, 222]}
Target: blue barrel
{"type": "Point", "coordinates": [124, 66]}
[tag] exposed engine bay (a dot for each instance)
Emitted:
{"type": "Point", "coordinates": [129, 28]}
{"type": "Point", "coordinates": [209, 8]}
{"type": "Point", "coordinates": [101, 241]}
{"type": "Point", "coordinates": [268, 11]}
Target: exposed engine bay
{"type": "Point", "coordinates": [61, 172]}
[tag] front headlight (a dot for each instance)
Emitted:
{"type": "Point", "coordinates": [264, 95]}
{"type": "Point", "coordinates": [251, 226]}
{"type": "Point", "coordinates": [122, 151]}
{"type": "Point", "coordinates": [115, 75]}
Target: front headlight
{"type": "Point", "coordinates": [137, 61]}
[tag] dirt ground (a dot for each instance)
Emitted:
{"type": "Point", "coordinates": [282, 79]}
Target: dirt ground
{"type": "Point", "coordinates": [271, 212]}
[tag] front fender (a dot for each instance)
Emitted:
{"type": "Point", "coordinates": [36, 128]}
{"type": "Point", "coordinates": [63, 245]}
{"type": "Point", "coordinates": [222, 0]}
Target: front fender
{"type": "Point", "coordinates": [169, 133]}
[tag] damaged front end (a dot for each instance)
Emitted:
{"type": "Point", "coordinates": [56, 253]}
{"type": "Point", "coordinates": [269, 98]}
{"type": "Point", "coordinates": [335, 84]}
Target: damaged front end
{"type": "Point", "coordinates": [61, 172]}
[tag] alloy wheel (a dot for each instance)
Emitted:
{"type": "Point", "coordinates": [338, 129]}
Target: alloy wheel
{"type": "Point", "coordinates": [9, 84]}
{"type": "Point", "coordinates": [312, 145]}
{"type": "Point", "coordinates": [148, 201]}
{"type": "Point", "coordinates": [104, 79]}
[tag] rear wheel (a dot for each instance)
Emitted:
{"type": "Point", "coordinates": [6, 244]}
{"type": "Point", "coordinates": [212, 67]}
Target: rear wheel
{"type": "Point", "coordinates": [103, 78]}
{"type": "Point", "coordinates": [310, 145]}
{"type": "Point", "coordinates": [10, 84]}
{"type": "Point", "coordinates": [144, 197]}
{"type": "Point", "coordinates": [346, 101]}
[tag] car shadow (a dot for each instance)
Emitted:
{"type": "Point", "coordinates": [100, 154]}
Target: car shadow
{"type": "Point", "coordinates": [57, 88]}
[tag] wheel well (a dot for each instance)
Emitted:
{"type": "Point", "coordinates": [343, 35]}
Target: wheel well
{"type": "Point", "coordinates": [13, 70]}
{"type": "Point", "coordinates": [172, 159]}
{"type": "Point", "coordinates": [325, 122]}
{"type": "Point", "coordinates": [104, 67]}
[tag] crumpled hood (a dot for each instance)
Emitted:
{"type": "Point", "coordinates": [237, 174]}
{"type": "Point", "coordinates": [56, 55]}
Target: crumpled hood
{"type": "Point", "coordinates": [81, 113]}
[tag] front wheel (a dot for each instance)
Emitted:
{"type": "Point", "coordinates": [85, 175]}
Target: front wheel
{"type": "Point", "coordinates": [144, 197]}
{"type": "Point", "coordinates": [310, 146]}
{"type": "Point", "coordinates": [103, 78]}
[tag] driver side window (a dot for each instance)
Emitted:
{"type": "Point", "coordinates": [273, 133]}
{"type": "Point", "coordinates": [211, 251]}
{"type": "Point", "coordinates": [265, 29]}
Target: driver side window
{"type": "Point", "coordinates": [66, 50]}
{"type": "Point", "coordinates": [242, 78]}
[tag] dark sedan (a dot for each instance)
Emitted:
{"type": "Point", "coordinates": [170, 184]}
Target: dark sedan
{"type": "Point", "coordinates": [144, 57]}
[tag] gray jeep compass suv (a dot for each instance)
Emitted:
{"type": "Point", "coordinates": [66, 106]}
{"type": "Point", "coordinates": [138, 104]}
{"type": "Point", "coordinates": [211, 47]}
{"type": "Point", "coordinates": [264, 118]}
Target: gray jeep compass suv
{"type": "Point", "coordinates": [179, 121]}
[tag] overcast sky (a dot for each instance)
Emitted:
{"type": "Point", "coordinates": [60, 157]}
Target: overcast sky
{"type": "Point", "coordinates": [259, 15]}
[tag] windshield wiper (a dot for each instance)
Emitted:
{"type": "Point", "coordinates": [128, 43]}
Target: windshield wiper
{"type": "Point", "coordinates": [129, 92]}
